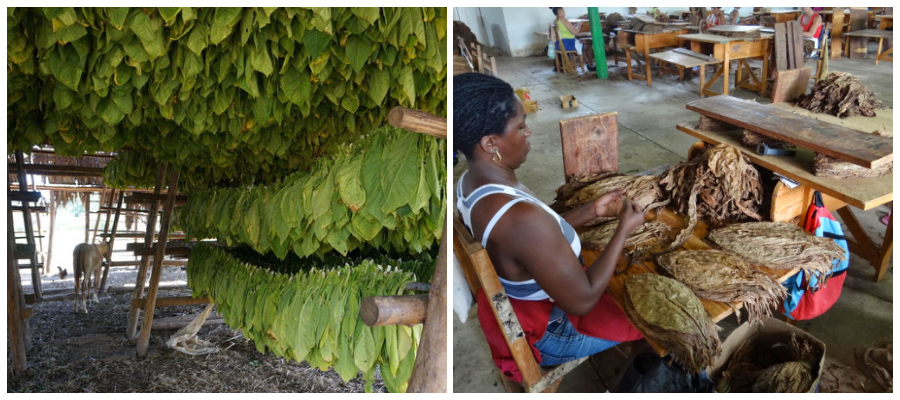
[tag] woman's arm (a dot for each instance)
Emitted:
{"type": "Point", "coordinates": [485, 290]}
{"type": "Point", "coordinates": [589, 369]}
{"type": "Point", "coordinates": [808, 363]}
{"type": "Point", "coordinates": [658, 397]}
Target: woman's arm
{"type": "Point", "coordinates": [607, 205]}
{"type": "Point", "coordinates": [533, 240]}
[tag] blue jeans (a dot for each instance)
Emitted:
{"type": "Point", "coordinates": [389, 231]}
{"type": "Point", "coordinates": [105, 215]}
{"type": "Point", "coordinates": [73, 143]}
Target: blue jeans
{"type": "Point", "coordinates": [562, 343]}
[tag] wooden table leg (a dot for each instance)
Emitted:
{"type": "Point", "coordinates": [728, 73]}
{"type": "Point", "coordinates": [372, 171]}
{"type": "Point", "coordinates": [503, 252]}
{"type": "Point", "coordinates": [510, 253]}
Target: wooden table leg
{"type": "Point", "coordinates": [726, 69]}
{"type": "Point", "coordinates": [648, 60]}
{"type": "Point", "coordinates": [765, 68]}
{"type": "Point", "coordinates": [628, 60]}
{"type": "Point", "coordinates": [887, 249]}
{"type": "Point", "coordinates": [878, 52]}
{"type": "Point", "coordinates": [862, 245]}
{"type": "Point", "coordinates": [702, 75]}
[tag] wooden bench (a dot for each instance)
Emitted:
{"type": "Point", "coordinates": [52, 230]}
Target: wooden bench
{"type": "Point", "coordinates": [684, 58]}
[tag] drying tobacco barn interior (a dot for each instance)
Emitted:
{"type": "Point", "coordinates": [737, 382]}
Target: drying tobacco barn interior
{"type": "Point", "coordinates": [758, 144]}
{"type": "Point", "coordinates": [260, 191]}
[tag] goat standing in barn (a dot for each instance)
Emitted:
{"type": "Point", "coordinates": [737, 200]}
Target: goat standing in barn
{"type": "Point", "coordinates": [87, 261]}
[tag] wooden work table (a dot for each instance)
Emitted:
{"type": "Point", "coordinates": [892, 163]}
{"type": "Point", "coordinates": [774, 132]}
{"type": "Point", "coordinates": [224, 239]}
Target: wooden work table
{"type": "Point", "coordinates": [789, 205]}
{"type": "Point", "coordinates": [643, 43]}
{"type": "Point", "coordinates": [886, 54]}
{"type": "Point", "coordinates": [717, 310]}
{"type": "Point", "coordinates": [732, 49]}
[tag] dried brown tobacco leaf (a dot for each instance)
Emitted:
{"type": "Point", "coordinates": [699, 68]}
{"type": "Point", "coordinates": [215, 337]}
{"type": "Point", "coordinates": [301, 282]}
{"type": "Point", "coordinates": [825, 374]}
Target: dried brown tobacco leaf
{"type": "Point", "coordinates": [597, 238]}
{"type": "Point", "coordinates": [829, 166]}
{"type": "Point", "coordinates": [878, 363]}
{"type": "Point", "coordinates": [789, 377]}
{"type": "Point", "coordinates": [644, 190]}
{"type": "Point", "coordinates": [725, 277]}
{"type": "Point", "coordinates": [671, 315]}
{"type": "Point", "coordinates": [778, 245]}
{"type": "Point", "coordinates": [573, 184]}
{"type": "Point", "coordinates": [842, 95]}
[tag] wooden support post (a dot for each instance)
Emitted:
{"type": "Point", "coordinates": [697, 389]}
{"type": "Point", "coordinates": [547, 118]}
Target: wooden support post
{"type": "Point", "coordinates": [86, 200]}
{"type": "Point", "coordinates": [430, 371]}
{"type": "Point", "coordinates": [134, 313]}
{"type": "Point", "coordinates": [29, 229]}
{"type": "Point", "coordinates": [147, 323]}
{"type": "Point", "coordinates": [52, 204]}
{"type": "Point", "coordinates": [16, 326]}
{"type": "Point", "coordinates": [112, 196]}
{"type": "Point", "coordinates": [99, 209]}
{"type": "Point", "coordinates": [393, 310]}
{"type": "Point", "coordinates": [112, 240]}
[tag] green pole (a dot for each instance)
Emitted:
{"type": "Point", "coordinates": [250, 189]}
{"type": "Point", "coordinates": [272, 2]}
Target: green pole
{"type": "Point", "coordinates": [599, 45]}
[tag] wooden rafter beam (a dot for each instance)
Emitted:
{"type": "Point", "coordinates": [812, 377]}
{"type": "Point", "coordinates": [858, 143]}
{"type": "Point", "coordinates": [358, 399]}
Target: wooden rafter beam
{"type": "Point", "coordinates": [60, 170]}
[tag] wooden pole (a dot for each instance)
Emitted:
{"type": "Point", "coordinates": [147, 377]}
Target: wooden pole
{"type": "Point", "coordinates": [103, 193]}
{"type": "Point", "coordinates": [15, 325]}
{"type": "Point", "coordinates": [147, 323]}
{"type": "Point", "coordinates": [418, 121]}
{"type": "Point", "coordinates": [29, 229]}
{"type": "Point", "coordinates": [112, 239]}
{"type": "Point", "coordinates": [48, 262]}
{"type": "Point", "coordinates": [430, 371]}
{"type": "Point", "coordinates": [86, 200]}
{"type": "Point", "coordinates": [112, 195]}
{"type": "Point", "coordinates": [131, 330]}
{"type": "Point", "coordinates": [393, 310]}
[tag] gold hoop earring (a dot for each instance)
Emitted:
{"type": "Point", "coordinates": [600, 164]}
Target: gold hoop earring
{"type": "Point", "coordinates": [496, 156]}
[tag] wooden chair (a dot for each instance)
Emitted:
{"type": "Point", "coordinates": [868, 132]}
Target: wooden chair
{"type": "Point", "coordinates": [479, 271]}
{"type": "Point", "coordinates": [822, 49]}
{"type": "Point", "coordinates": [563, 57]}
{"type": "Point", "coordinates": [486, 65]}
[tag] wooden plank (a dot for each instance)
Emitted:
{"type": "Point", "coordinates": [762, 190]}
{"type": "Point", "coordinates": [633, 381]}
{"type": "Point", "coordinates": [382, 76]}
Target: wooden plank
{"type": "Point", "coordinates": [790, 84]}
{"type": "Point", "coordinates": [837, 33]}
{"type": "Point", "coordinates": [870, 151]}
{"type": "Point", "coordinates": [883, 119]}
{"type": "Point", "coordinates": [60, 170]}
{"type": "Point", "coordinates": [798, 43]}
{"type": "Point", "coordinates": [863, 193]}
{"type": "Point", "coordinates": [684, 58]}
{"type": "Point", "coordinates": [590, 144]}
{"type": "Point", "coordinates": [781, 63]}
{"type": "Point", "coordinates": [707, 38]}
{"type": "Point", "coordinates": [171, 301]}
{"type": "Point", "coordinates": [791, 49]}
{"type": "Point", "coordinates": [735, 28]}
{"type": "Point", "coordinates": [872, 33]}
{"type": "Point", "coordinates": [858, 46]}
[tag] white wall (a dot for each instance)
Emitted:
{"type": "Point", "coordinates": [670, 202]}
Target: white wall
{"type": "Point", "coordinates": [512, 29]}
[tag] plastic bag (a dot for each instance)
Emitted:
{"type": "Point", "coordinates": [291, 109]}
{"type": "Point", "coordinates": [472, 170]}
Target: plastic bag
{"type": "Point", "coordinates": [649, 373]}
{"type": "Point", "coordinates": [551, 50]}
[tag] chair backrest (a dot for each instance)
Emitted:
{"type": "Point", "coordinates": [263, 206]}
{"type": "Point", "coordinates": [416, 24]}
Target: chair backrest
{"type": "Point", "coordinates": [479, 271]}
{"type": "Point", "coordinates": [563, 54]}
{"type": "Point", "coordinates": [486, 65]}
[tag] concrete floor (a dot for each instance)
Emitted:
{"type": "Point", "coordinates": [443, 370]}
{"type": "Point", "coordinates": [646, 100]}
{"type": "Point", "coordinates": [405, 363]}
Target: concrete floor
{"type": "Point", "coordinates": [648, 138]}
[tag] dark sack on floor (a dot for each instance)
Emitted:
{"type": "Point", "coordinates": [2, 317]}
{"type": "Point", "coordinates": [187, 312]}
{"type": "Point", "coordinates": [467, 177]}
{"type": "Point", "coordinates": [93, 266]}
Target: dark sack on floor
{"type": "Point", "coordinates": [649, 373]}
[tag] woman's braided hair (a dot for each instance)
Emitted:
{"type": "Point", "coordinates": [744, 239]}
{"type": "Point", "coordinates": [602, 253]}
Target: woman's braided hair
{"type": "Point", "coordinates": [482, 105]}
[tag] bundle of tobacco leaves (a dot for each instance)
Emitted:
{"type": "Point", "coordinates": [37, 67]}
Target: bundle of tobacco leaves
{"type": "Point", "coordinates": [743, 35]}
{"type": "Point", "coordinates": [721, 276]}
{"type": "Point", "coordinates": [829, 166]}
{"type": "Point", "coordinates": [644, 190]}
{"type": "Point", "coordinates": [597, 238]}
{"type": "Point", "coordinates": [668, 313]}
{"type": "Point", "coordinates": [778, 245]}
{"type": "Point", "coordinates": [573, 184]}
{"type": "Point", "coordinates": [842, 95]}
{"type": "Point", "coordinates": [770, 367]}
{"type": "Point", "coordinates": [720, 184]}
{"type": "Point", "coordinates": [610, 22]}
{"type": "Point", "coordinates": [461, 30]}
{"type": "Point", "coordinates": [754, 139]}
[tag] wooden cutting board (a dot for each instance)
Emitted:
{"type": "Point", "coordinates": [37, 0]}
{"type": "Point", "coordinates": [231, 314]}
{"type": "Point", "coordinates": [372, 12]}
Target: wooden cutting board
{"type": "Point", "coordinates": [870, 151]}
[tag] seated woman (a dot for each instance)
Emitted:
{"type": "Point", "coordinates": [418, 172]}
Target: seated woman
{"type": "Point", "coordinates": [567, 33]}
{"type": "Point", "coordinates": [811, 22]}
{"type": "Point", "coordinates": [715, 18]}
{"type": "Point", "coordinates": [560, 304]}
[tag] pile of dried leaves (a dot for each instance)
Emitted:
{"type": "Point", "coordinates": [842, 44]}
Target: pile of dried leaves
{"type": "Point", "coordinates": [754, 139]}
{"type": "Point", "coordinates": [829, 166]}
{"type": "Point", "coordinates": [778, 245]}
{"type": "Point", "coordinates": [743, 35]}
{"type": "Point", "coordinates": [770, 368]}
{"type": "Point", "coordinates": [842, 95]}
{"type": "Point", "coordinates": [878, 363]}
{"type": "Point", "coordinates": [671, 315]}
{"type": "Point", "coordinates": [610, 22]}
{"type": "Point", "coordinates": [644, 190]}
{"type": "Point", "coordinates": [721, 276]}
{"type": "Point", "coordinates": [597, 238]}
{"type": "Point", "coordinates": [720, 184]}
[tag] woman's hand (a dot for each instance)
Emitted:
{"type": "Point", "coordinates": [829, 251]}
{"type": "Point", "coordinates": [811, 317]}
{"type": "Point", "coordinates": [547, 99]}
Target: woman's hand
{"type": "Point", "coordinates": [610, 204]}
{"type": "Point", "coordinates": [631, 216]}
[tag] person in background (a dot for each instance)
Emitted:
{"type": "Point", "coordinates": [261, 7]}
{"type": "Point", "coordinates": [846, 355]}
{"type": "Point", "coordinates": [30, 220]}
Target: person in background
{"type": "Point", "coordinates": [735, 15]}
{"type": "Point", "coordinates": [567, 32]}
{"type": "Point", "coordinates": [654, 12]}
{"type": "Point", "coordinates": [811, 22]}
{"type": "Point", "coordinates": [715, 18]}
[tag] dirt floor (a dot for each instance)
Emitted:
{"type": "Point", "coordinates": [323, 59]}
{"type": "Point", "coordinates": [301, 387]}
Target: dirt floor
{"type": "Point", "coordinates": [89, 352]}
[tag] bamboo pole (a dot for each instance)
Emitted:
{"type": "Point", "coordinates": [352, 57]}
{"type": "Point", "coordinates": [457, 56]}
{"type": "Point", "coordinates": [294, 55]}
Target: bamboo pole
{"type": "Point", "coordinates": [430, 371]}
{"type": "Point", "coordinates": [131, 329]}
{"type": "Point", "coordinates": [112, 240]}
{"type": "Point", "coordinates": [86, 200]}
{"type": "Point", "coordinates": [15, 325]}
{"type": "Point", "coordinates": [147, 322]}
{"type": "Point", "coordinates": [29, 229]}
